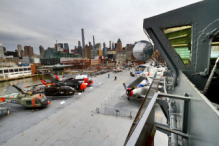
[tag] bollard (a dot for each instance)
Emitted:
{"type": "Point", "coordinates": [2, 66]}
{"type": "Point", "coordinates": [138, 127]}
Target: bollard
{"type": "Point", "coordinates": [117, 112]}
{"type": "Point", "coordinates": [8, 113]}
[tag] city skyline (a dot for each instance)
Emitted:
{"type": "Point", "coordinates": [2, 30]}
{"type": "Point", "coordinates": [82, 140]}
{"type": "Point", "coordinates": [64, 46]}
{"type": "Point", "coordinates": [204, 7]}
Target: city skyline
{"type": "Point", "coordinates": [38, 23]}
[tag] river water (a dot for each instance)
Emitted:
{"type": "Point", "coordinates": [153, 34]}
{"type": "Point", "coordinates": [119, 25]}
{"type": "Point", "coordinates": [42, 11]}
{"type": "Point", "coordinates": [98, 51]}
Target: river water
{"type": "Point", "coordinates": [25, 81]}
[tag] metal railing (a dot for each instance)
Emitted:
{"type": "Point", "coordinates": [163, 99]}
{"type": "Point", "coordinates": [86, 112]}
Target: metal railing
{"type": "Point", "coordinates": [116, 112]}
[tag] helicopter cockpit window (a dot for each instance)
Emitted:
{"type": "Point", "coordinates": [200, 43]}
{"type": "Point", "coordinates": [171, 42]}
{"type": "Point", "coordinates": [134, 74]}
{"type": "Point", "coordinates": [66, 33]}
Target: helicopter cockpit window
{"type": "Point", "coordinates": [180, 39]}
{"type": "Point", "coordinates": [42, 99]}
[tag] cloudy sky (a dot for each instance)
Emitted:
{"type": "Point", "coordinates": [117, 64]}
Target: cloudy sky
{"type": "Point", "coordinates": [42, 22]}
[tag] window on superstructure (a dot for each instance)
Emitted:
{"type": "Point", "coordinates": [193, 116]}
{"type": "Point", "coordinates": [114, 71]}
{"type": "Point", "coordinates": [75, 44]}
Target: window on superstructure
{"type": "Point", "coordinates": [1, 71]}
{"type": "Point", "coordinates": [16, 70]}
{"type": "Point", "coordinates": [180, 39]}
{"type": "Point", "coordinates": [214, 54]}
{"type": "Point", "coordinates": [20, 69]}
{"type": "Point", "coordinates": [11, 70]}
{"type": "Point", "coordinates": [6, 71]}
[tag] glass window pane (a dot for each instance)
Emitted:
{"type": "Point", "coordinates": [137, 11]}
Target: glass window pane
{"type": "Point", "coordinates": [180, 39]}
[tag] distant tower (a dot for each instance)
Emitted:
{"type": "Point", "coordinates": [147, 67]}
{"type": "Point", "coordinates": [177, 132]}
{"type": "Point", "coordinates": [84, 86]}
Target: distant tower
{"type": "Point", "coordinates": [1, 50]}
{"type": "Point", "coordinates": [119, 45]}
{"type": "Point", "coordinates": [19, 48]}
{"type": "Point", "coordinates": [66, 47]}
{"type": "Point", "coordinates": [79, 44]}
{"type": "Point", "coordinates": [110, 44]}
{"type": "Point", "coordinates": [90, 44]}
{"type": "Point", "coordinates": [41, 49]}
{"type": "Point", "coordinates": [93, 41]}
{"type": "Point", "coordinates": [28, 51]}
{"type": "Point", "coordinates": [113, 46]}
{"type": "Point", "coordinates": [61, 45]}
{"type": "Point", "coordinates": [104, 45]}
{"type": "Point", "coordinates": [83, 39]}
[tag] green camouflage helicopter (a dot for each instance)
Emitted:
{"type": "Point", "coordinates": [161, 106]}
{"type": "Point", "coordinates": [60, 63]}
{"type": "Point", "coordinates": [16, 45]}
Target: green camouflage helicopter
{"type": "Point", "coordinates": [26, 98]}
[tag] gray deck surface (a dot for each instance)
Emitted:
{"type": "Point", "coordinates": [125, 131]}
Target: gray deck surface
{"type": "Point", "coordinates": [78, 124]}
{"type": "Point", "coordinates": [75, 122]}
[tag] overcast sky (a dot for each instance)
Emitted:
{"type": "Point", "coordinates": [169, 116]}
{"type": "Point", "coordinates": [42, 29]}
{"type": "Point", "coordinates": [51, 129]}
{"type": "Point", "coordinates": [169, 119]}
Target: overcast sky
{"type": "Point", "coordinates": [42, 22]}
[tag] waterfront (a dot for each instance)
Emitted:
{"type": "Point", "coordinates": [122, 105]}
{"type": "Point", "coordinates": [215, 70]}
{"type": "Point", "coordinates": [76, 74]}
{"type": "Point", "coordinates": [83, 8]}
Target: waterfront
{"type": "Point", "coordinates": [26, 81]}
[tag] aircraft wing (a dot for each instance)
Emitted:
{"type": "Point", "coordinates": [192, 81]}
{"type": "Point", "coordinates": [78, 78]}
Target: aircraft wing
{"type": "Point", "coordinates": [136, 82]}
{"type": "Point", "coordinates": [150, 79]}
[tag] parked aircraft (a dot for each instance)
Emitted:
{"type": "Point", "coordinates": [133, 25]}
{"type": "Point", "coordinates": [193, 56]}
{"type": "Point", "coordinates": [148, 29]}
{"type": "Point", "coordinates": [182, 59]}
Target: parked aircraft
{"type": "Point", "coordinates": [77, 84]}
{"type": "Point", "coordinates": [138, 88]}
{"type": "Point", "coordinates": [25, 98]}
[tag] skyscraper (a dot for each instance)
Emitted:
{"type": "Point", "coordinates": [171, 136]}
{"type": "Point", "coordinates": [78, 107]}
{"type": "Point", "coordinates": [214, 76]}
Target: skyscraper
{"type": "Point", "coordinates": [28, 51]}
{"type": "Point", "coordinates": [66, 47]}
{"type": "Point", "coordinates": [93, 41]}
{"type": "Point", "coordinates": [98, 46]}
{"type": "Point", "coordinates": [19, 48]}
{"type": "Point", "coordinates": [113, 46]}
{"type": "Point", "coordinates": [119, 45]}
{"type": "Point", "coordinates": [1, 50]}
{"type": "Point", "coordinates": [79, 44]}
{"type": "Point", "coordinates": [41, 49]}
{"type": "Point", "coordinates": [61, 45]}
{"type": "Point", "coordinates": [83, 39]}
{"type": "Point", "coordinates": [109, 44]}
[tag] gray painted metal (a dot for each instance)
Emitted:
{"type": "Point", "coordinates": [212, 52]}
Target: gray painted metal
{"type": "Point", "coordinates": [203, 117]}
{"type": "Point", "coordinates": [135, 138]}
{"type": "Point", "coordinates": [204, 19]}
{"type": "Point", "coordinates": [197, 118]}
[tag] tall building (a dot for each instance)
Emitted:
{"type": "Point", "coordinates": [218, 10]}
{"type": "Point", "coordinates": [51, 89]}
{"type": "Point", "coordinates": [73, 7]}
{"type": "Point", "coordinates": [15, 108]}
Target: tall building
{"type": "Point", "coordinates": [83, 39]}
{"type": "Point", "coordinates": [86, 52]}
{"type": "Point", "coordinates": [93, 41]}
{"type": "Point", "coordinates": [19, 48]}
{"type": "Point", "coordinates": [66, 47]}
{"type": "Point", "coordinates": [109, 44]}
{"type": "Point", "coordinates": [41, 49]}
{"type": "Point", "coordinates": [90, 44]}
{"type": "Point", "coordinates": [119, 45]}
{"type": "Point", "coordinates": [58, 48]}
{"type": "Point", "coordinates": [98, 46]}
{"type": "Point", "coordinates": [4, 49]}
{"type": "Point", "coordinates": [1, 50]}
{"type": "Point", "coordinates": [28, 51]}
{"type": "Point", "coordinates": [79, 44]}
{"type": "Point", "coordinates": [113, 46]}
{"type": "Point", "coordinates": [61, 45]}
